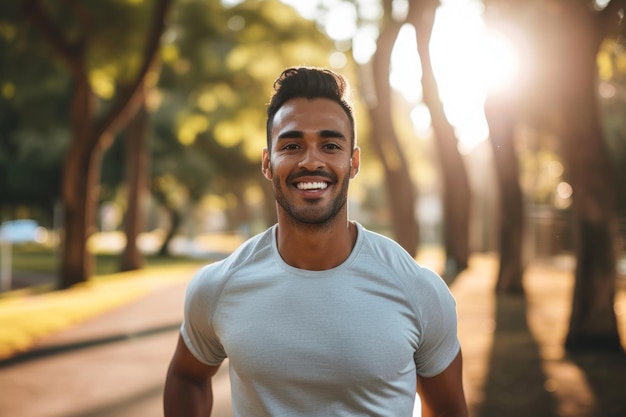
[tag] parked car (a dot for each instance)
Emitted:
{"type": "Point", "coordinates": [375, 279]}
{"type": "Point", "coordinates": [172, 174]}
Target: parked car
{"type": "Point", "coordinates": [23, 231]}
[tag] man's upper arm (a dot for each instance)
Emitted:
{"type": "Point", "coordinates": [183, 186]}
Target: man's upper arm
{"type": "Point", "coordinates": [185, 364]}
{"type": "Point", "coordinates": [188, 390]}
{"type": "Point", "coordinates": [442, 394]}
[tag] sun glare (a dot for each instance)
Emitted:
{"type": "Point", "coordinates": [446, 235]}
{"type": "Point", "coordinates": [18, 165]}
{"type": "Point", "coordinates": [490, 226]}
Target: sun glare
{"type": "Point", "coordinates": [500, 61]}
{"type": "Point", "coordinates": [469, 61]}
{"type": "Point", "coordinates": [406, 70]}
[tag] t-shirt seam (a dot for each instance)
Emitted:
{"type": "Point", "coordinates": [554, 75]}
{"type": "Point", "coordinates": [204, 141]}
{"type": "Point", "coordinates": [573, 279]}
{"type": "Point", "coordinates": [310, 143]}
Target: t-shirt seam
{"type": "Point", "coordinates": [230, 272]}
{"type": "Point", "coordinates": [418, 317]}
{"type": "Point", "coordinates": [398, 282]}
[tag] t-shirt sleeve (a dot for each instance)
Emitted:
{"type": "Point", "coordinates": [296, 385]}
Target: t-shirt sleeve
{"type": "Point", "coordinates": [197, 328]}
{"type": "Point", "coordinates": [439, 343]}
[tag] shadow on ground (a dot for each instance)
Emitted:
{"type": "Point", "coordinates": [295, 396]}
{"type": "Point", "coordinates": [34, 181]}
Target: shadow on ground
{"type": "Point", "coordinates": [515, 385]}
{"type": "Point", "coordinates": [606, 376]}
{"type": "Point", "coordinates": [38, 353]}
{"type": "Point", "coordinates": [122, 404]}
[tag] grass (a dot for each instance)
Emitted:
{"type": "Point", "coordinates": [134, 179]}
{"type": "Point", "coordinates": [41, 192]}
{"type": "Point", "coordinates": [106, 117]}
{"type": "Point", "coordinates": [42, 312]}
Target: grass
{"type": "Point", "coordinates": [37, 258]}
{"type": "Point", "coordinates": [28, 315]}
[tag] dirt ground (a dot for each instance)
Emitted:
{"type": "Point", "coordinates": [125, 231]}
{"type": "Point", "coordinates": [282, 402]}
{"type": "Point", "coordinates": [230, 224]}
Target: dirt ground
{"type": "Point", "coordinates": [514, 360]}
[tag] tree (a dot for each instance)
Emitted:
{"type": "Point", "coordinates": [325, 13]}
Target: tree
{"type": "Point", "coordinates": [92, 131]}
{"type": "Point", "coordinates": [502, 114]}
{"type": "Point", "coordinates": [501, 119]}
{"type": "Point", "coordinates": [566, 37]}
{"type": "Point", "coordinates": [137, 173]}
{"type": "Point", "coordinates": [456, 189]}
{"type": "Point", "coordinates": [593, 323]}
{"type": "Point", "coordinates": [400, 189]}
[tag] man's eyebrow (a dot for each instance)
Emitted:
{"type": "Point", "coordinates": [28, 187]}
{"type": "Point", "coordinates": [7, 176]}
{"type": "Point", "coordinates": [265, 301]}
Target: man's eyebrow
{"type": "Point", "coordinates": [298, 134]}
{"type": "Point", "coordinates": [332, 134]}
{"type": "Point", "coordinates": [291, 134]}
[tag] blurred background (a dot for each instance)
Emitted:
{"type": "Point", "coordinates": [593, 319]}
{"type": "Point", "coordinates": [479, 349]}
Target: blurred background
{"type": "Point", "coordinates": [131, 134]}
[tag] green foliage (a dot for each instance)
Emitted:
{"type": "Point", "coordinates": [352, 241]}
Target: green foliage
{"type": "Point", "coordinates": [207, 124]}
{"type": "Point", "coordinates": [35, 89]}
{"type": "Point", "coordinates": [219, 65]}
{"type": "Point", "coordinates": [33, 101]}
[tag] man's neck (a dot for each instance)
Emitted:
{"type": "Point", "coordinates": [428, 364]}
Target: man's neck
{"type": "Point", "coordinates": [315, 248]}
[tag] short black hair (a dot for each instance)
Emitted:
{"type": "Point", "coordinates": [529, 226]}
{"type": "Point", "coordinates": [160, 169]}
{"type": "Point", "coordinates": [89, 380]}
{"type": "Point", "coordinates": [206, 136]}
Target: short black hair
{"type": "Point", "coordinates": [310, 83]}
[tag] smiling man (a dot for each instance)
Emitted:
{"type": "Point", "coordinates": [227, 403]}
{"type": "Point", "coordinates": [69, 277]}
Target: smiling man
{"type": "Point", "coordinates": [317, 315]}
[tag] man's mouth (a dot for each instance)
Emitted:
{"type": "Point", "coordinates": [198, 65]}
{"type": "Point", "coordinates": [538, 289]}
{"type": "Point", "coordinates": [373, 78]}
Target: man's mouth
{"type": "Point", "coordinates": [311, 186]}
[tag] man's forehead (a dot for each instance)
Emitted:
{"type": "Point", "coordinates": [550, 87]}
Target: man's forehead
{"type": "Point", "coordinates": [316, 110]}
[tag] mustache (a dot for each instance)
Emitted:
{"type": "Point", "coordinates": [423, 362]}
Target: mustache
{"type": "Point", "coordinates": [317, 173]}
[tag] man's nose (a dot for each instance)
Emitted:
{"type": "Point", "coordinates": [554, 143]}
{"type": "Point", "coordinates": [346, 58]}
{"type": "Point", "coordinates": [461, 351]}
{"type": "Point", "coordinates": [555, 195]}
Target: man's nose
{"type": "Point", "coordinates": [312, 160]}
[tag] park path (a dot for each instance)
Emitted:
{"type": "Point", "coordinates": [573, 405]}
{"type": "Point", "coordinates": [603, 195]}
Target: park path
{"type": "Point", "coordinates": [111, 365]}
{"type": "Point", "coordinates": [514, 364]}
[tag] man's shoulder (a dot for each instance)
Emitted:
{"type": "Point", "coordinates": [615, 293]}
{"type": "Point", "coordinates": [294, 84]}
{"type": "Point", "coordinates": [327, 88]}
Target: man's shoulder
{"type": "Point", "coordinates": [382, 245]}
{"type": "Point", "coordinates": [387, 254]}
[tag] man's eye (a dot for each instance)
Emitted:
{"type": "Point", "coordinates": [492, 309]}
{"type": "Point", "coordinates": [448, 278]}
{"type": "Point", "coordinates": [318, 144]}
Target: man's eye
{"type": "Point", "coordinates": [332, 146]}
{"type": "Point", "coordinates": [290, 147]}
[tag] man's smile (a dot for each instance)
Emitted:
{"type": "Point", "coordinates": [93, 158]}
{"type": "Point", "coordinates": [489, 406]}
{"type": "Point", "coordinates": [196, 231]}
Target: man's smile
{"type": "Point", "coordinates": [312, 186]}
{"type": "Point", "coordinates": [312, 182]}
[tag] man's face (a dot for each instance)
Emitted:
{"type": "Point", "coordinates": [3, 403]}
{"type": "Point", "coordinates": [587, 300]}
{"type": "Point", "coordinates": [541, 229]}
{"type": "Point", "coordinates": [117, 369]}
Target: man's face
{"type": "Point", "coordinates": [311, 160]}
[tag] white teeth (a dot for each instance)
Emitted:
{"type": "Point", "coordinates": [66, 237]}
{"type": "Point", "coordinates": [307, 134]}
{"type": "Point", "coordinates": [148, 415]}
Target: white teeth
{"type": "Point", "coordinates": [312, 185]}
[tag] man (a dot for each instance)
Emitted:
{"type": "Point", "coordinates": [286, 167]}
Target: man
{"type": "Point", "coordinates": [318, 316]}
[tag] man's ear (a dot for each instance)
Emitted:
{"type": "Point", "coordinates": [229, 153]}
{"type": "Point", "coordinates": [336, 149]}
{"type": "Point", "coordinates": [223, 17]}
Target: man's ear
{"type": "Point", "coordinates": [266, 167]}
{"type": "Point", "coordinates": [355, 162]}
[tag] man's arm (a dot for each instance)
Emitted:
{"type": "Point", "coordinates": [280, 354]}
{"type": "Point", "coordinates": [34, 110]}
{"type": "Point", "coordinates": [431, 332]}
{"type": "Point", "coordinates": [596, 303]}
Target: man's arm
{"type": "Point", "coordinates": [442, 395]}
{"type": "Point", "coordinates": [188, 390]}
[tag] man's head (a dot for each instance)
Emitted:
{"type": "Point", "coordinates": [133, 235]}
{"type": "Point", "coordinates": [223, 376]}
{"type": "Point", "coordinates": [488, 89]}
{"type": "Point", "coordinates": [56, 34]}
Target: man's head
{"type": "Point", "coordinates": [311, 153]}
{"type": "Point", "coordinates": [310, 83]}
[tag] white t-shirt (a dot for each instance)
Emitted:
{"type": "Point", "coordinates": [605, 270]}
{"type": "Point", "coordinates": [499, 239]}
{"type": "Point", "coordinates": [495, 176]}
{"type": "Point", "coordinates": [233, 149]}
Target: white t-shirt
{"type": "Point", "coordinates": [342, 342]}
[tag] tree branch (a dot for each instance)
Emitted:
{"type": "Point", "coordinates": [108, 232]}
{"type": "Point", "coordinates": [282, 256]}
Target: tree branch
{"type": "Point", "coordinates": [117, 117]}
{"type": "Point", "coordinates": [82, 14]}
{"type": "Point", "coordinates": [53, 35]}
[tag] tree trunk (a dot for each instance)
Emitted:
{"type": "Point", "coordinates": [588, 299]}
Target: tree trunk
{"type": "Point", "coordinates": [593, 323]}
{"type": "Point", "coordinates": [400, 190]}
{"type": "Point", "coordinates": [137, 187]}
{"type": "Point", "coordinates": [511, 217]}
{"type": "Point", "coordinates": [90, 136]}
{"type": "Point", "coordinates": [79, 188]}
{"type": "Point", "coordinates": [456, 189]}
{"type": "Point", "coordinates": [175, 221]}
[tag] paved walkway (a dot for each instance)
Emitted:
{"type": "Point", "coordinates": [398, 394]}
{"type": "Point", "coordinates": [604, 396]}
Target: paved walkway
{"type": "Point", "coordinates": [112, 365]}
{"type": "Point", "coordinates": [513, 355]}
